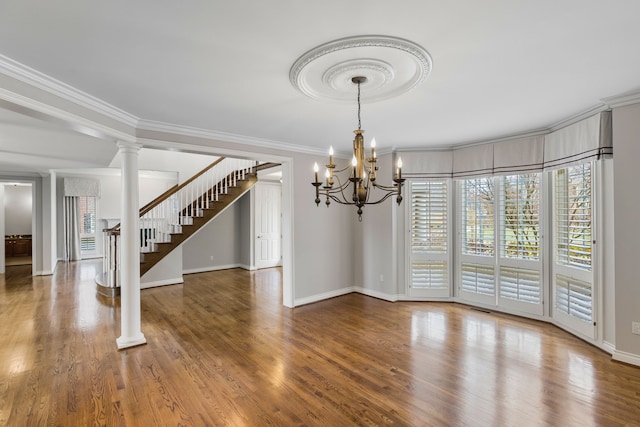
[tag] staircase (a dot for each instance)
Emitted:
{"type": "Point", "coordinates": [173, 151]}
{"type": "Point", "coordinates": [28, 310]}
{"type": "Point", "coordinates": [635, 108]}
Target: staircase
{"type": "Point", "coordinates": [170, 219]}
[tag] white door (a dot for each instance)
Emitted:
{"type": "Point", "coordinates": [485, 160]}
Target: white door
{"type": "Point", "coordinates": [267, 222]}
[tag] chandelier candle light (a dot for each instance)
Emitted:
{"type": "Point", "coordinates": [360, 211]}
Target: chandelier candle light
{"type": "Point", "coordinates": [361, 174]}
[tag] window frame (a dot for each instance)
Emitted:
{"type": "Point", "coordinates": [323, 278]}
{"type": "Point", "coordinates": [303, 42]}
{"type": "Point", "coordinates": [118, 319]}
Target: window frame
{"type": "Point", "coordinates": [446, 257]}
{"type": "Point", "coordinates": [571, 272]}
{"type": "Point", "coordinates": [479, 265]}
{"type": "Point", "coordinates": [84, 235]}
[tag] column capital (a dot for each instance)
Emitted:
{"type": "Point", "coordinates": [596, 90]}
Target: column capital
{"type": "Point", "coordinates": [129, 147]}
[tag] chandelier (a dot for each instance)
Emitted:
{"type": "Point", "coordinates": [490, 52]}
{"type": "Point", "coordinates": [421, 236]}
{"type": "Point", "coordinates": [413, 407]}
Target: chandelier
{"type": "Point", "coordinates": [357, 185]}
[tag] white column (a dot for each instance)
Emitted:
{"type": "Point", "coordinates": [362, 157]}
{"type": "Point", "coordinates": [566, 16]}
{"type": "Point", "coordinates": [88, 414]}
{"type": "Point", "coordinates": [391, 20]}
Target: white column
{"type": "Point", "coordinates": [131, 334]}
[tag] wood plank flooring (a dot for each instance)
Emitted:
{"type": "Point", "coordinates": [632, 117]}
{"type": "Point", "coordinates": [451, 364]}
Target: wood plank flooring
{"type": "Point", "coordinates": [223, 351]}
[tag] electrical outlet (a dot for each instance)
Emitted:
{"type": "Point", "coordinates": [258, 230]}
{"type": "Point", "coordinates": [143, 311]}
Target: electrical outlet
{"type": "Point", "coordinates": [381, 278]}
{"type": "Point", "coordinates": [635, 328]}
{"type": "Point", "coordinates": [211, 257]}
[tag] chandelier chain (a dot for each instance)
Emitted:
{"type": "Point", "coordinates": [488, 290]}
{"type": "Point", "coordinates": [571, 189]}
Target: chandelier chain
{"type": "Point", "coordinates": [359, 123]}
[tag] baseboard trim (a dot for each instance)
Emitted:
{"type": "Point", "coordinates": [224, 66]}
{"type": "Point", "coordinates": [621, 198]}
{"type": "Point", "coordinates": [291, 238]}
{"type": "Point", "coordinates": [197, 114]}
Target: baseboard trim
{"type": "Point", "coordinates": [623, 356]}
{"type": "Point", "coordinates": [211, 268]}
{"type": "Point", "coordinates": [608, 347]}
{"type": "Point", "coordinates": [158, 283]}
{"type": "Point", "coordinates": [320, 297]}
{"type": "Point", "coordinates": [376, 294]}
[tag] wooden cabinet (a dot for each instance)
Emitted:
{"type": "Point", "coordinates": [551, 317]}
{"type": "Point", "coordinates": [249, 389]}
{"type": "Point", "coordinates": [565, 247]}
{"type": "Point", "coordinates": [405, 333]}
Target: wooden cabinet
{"type": "Point", "coordinates": [17, 246]}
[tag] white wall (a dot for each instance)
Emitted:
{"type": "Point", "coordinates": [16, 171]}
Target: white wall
{"type": "Point", "coordinates": [626, 175]}
{"type": "Point", "coordinates": [150, 186]}
{"type": "Point", "coordinates": [184, 164]}
{"type": "Point", "coordinates": [18, 207]}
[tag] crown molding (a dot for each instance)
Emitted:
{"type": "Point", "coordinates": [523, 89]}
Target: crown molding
{"type": "Point", "coordinates": [41, 110]}
{"type": "Point", "coordinates": [623, 99]}
{"type": "Point", "coordinates": [152, 126]}
{"type": "Point", "coordinates": [578, 117]}
{"type": "Point", "coordinates": [55, 87]}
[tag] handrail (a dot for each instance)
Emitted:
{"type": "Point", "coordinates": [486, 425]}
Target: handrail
{"type": "Point", "coordinates": [170, 192]}
{"type": "Point", "coordinates": [165, 196]}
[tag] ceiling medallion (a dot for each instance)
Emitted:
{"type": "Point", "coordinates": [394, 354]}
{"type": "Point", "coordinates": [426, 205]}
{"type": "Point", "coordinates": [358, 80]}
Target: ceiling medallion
{"type": "Point", "coordinates": [391, 66]}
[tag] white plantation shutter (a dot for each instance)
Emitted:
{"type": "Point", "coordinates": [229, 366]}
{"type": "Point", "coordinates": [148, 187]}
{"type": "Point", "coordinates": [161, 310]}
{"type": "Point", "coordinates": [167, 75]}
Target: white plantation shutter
{"type": "Point", "coordinates": [478, 278]}
{"type": "Point", "coordinates": [427, 274]}
{"type": "Point", "coordinates": [520, 284]}
{"type": "Point", "coordinates": [520, 261]}
{"type": "Point", "coordinates": [478, 223]}
{"type": "Point", "coordinates": [573, 216]}
{"type": "Point", "coordinates": [573, 248]}
{"type": "Point", "coordinates": [429, 238]}
{"type": "Point", "coordinates": [520, 217]}
{"type": "Point", "coordinates": [88, 232]}
{"type": "Point", "coordinates": [477, 238]}
{"type": "Point", "coordinates": [574, 298]}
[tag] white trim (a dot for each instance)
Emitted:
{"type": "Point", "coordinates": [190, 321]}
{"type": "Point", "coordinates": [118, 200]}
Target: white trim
{"type": "Point", "coordinates": [623, 99]}
{"type": "Point", "coordinates": [608, 347]}
{"type": "Point", "coordinates": [377, 294]}
{"type": "Point", "coordinates": [152, 126]}
{"type": "Point", "coordinates": [212, 268]}
{"type": "Point", "coordinates": [75, 122]}
{"type": "Point", "coordinates": [321, 297]}
{"type": "Point", "coordinates": [623, 356]}
{"type": "Point", "coordinates": [176, 281]}
{"type": "Point", "coordinates": [35, 78]}
{"type": "Point", "coordinates": [578, 117]}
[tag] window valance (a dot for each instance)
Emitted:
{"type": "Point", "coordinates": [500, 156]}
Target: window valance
{"type": "Point", "coordinates": [427, 164]}
{"type": "Point", "coordinates": [74, 187]}
{"type": "Point", "coordinates": [518, 156]}
{"type": "Point", "coordinates": [589, 139]}
{"type": "Point", "coordinates": [469, 162]}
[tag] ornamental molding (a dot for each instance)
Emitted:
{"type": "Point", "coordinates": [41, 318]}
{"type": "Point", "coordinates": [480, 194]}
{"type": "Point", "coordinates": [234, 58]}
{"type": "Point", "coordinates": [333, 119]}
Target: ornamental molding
{"type": "Point", "coordinates": [391, 65]}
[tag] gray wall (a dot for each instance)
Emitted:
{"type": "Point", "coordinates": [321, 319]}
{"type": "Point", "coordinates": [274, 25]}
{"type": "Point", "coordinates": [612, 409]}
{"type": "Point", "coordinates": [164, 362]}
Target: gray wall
{"type": "Point", "coordinates": [217, 245]}
{"type": "Point", "coordinates": [626, 143]}
{"type": "Point", "coordinates": [245, 237]}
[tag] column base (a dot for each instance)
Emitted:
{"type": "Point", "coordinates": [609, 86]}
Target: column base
{"type": "Point", "coordinates": [126, 342]}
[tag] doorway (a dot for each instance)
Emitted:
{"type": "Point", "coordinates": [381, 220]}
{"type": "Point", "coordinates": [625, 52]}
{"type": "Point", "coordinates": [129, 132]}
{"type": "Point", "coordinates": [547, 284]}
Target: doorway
{"type": "Point", "coordinates": [268, 225]}
{"type": "Point", "coordinates": [16, 200]}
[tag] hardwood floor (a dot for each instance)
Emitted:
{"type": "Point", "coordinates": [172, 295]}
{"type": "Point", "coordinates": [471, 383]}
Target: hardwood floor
{"type": "Point", "coordinates": [223, 351]}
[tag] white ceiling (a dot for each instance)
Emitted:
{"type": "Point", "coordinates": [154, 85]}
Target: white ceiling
{"type": "Point", "coordinates": [500, 67]}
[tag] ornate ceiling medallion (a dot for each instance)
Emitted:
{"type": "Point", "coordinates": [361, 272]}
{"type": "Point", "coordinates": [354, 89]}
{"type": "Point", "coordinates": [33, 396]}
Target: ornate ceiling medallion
{"type": "Point", "coordinates": [391, 65]}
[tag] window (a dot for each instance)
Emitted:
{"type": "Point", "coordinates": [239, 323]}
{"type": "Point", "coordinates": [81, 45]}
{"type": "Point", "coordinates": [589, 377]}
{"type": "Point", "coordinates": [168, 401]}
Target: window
{"type": "Point", "coordinates": [478, 217]}
{"type": "Point", "coordinates": [520, 217]}
{"type": "Point", "coordinates": [429, 238]}
{"type": "Point", "coordinates": [478, 226]}
{"type": "Point", "coordinates": [573, 248]}
{"type": "Point", "coordinates": [573, 216]}
{"type": "Point", "coordinates": [87, 208]}
{"type": "Point", "coordinates": [520, 243]}
{"type": "Point", "coordinates": [500, 253]}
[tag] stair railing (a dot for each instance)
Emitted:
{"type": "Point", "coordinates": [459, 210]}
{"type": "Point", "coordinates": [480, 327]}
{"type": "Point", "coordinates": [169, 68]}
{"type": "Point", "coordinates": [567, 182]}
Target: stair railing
{"type": "Point", "coordinates": [167, 213]}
